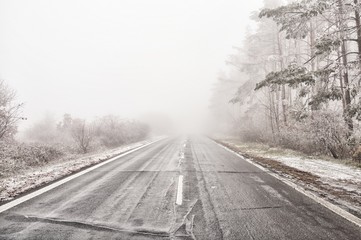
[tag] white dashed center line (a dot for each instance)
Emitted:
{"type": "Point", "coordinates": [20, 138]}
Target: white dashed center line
{"type": "Point", "coordinates": [180, 191]}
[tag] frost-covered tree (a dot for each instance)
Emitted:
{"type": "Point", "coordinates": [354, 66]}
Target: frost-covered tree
{"type": "Point", "coordinates": [304, 61]}
{"type": "Point", "coordinates": [9, 111]}
{"type": "Point", "coordinates": [334, 50]}
{"type": "Point", "coordinates": [263, 51]}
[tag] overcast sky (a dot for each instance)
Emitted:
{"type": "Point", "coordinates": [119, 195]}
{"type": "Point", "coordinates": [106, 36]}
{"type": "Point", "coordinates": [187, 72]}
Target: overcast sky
{"type": "Point", "coordinates": [125, 57]}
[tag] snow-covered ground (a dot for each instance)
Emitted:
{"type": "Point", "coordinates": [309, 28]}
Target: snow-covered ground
{"type": "Point", "coordinates": [339, 182]}
{"type": "Point", "coordinates": [330, 172]}
{"type": "Point", "coordinates": [12, 186]}
{"type": "Point", "coordinates": [327, 170]}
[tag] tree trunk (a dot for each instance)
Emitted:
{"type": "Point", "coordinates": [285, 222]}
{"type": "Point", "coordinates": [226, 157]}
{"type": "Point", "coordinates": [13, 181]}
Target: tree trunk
{"type": "Point", "coordinates": [345, 74]}
{"type": "Point", "coordinates": [358, 28]}
{"type": "Point", "coordinates": [283, 87]}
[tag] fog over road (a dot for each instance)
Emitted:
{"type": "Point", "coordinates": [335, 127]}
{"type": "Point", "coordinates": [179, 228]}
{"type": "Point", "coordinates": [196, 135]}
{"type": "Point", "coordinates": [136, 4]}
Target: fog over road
{"type": "Point", "coordinates": [135, 197]}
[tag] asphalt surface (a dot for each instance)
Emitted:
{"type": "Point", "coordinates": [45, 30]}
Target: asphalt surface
{"type": "Point", "coordinates": [134, 197]}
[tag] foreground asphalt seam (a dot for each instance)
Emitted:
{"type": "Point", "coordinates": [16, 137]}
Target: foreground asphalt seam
{"type": "Point", "coordinates": [339, 211]}
{"type": "Point", "coordinates": [85, 225]}
{"type": "Point", "coordinates": [67, 179]}
{"type": "Point", "coordinates": [187, 171]}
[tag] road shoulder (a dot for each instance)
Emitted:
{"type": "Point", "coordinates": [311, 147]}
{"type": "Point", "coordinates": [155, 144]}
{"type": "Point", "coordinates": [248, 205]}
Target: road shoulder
{"type": "Point", "coordinates": [340, 192]}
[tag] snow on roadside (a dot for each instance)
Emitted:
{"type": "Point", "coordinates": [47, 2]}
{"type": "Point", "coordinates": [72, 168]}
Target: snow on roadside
{"type": "Point", "coordinates": [335, 174]}
{"type": "Point", "coordinates": [10, 187]}
{"type": "Point", "coordinates": [323, 169]}
{"type": "Point", "coordinates": [337, 183]}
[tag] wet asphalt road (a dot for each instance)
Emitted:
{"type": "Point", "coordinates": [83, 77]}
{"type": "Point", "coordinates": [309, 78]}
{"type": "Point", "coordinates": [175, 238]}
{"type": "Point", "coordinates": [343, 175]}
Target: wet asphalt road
{"type": "Point", "coordinates": [134, 197]}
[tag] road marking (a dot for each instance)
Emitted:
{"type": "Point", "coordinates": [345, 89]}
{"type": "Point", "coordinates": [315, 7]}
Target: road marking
{"type": "Point", "coordinates": [339, 211]}
{"type": "Point", "coordinates": [179, 200]}
{"type": "Point", "coordinates": [67, 179]}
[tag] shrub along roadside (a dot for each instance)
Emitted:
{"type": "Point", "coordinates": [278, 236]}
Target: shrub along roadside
{"type": "Point", "coordinates": [17, 157]}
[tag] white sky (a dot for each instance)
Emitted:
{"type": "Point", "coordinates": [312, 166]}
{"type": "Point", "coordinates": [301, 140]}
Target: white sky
{"type": "Point", "coordinates": [125, 57]}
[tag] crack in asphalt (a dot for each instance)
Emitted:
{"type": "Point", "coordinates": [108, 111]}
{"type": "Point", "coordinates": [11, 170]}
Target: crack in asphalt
{"type": "Point", "coordinates": [260, 208]}
{"type": "Point", "coordinates": [185, 216]}
{"type": "Point", "coordinates": [240, 172]}
{"type": "Point", "coordinates": [88, 226]}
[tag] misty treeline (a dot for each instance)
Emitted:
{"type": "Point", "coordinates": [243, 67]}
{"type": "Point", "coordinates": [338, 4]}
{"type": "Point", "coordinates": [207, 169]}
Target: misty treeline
{"type": "Point", "coordinates": [300, 74]}
{"type": "Point", "coordinates": [50, 139]}
{"type": "Point", "coordinates": [76, 134]}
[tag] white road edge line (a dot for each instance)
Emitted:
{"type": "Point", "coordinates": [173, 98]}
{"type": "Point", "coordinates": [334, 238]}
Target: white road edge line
{"type": "Point", "coordinates": [179, 200]}
{"type": "Point", "coordinates": [343, 213]}
{"type": "Point", "coordinates": [67, 179]}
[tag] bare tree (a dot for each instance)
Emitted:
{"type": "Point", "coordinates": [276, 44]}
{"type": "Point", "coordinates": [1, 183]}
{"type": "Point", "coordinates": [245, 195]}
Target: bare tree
{"type": "Point", "coordinates": [9, 111]}
{"type": "Point", "coordinates": [82, 134]}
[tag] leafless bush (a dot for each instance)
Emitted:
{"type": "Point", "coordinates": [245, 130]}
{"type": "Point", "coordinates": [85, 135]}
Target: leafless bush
{"type": "Point", "coordinates": [9, 111]}
{"type": "Point", "coordinates": [83, 134]}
